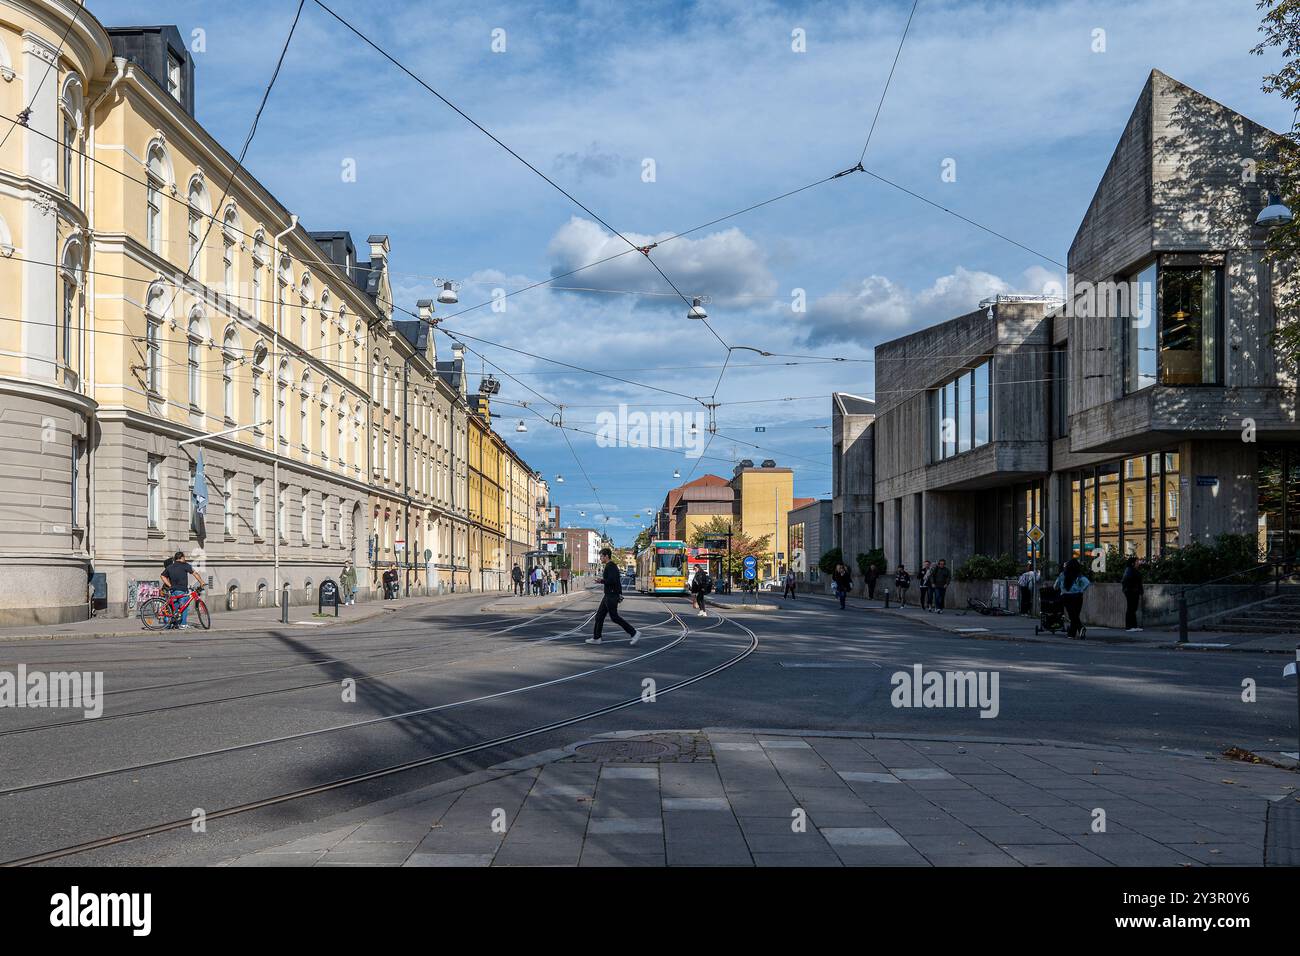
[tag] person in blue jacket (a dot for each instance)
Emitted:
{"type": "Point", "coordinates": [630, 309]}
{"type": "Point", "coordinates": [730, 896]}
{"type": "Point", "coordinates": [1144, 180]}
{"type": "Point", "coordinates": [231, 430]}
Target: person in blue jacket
{"type": "Point", "coordinates": [1072, 582]}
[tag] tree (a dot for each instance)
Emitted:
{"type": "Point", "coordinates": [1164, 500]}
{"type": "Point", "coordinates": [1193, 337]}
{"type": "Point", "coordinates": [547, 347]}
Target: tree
{"type": "Point", "coordinates": [741, 544]}
{"type": "Point", "coordinates": [1281, 168]}
{"type": "Point", "coordinates": [642, 541]}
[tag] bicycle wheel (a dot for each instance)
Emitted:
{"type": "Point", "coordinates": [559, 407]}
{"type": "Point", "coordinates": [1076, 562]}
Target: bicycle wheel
{"type": "Point", "coordinates": [156, 614]}
{"type": "Point", "coordinates": [201, 609]}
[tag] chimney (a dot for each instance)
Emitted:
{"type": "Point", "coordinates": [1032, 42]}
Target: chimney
{"type": "Point", "coordinates": [424, 308]}
{"type": "Point", "coordinates": [378, 248]}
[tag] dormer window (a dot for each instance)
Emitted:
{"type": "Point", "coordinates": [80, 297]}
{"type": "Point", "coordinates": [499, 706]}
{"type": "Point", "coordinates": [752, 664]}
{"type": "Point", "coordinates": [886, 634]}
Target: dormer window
{"type": "Point", "coordinates": [174, 78]}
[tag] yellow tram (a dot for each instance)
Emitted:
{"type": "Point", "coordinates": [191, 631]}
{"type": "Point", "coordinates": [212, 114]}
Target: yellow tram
{"type": "Point", "coordinates": [661, 568]}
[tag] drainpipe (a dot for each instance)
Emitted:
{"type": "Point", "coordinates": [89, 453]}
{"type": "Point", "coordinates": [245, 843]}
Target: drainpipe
{"type": "Point", "coordinates": [88, 338]}
{"type": "Point", "coordinates": [275, 395]}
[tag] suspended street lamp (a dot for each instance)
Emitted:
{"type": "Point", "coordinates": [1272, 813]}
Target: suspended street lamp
{"type": "Point", "coordinates": [448, 294]}
{"type": "Point", "coordinates": [697, 310]}
{"type": "Point", "coordinates": [559, 479]}
{"type": "Point", "coordinates": [521, 427]}
{"type": "Point", "coordinates": [1275, 214]}
{"type": "Point", "coordinates": [677, 473]}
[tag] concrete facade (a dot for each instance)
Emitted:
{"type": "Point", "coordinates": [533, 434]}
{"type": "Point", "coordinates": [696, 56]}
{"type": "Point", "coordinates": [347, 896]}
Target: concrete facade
{"type": "Point", "coordinates": [854, 521]}
{"type": "Point", "coordinates": [1140, 411]}
{"type": "Point", "coordinates": [809, 533]}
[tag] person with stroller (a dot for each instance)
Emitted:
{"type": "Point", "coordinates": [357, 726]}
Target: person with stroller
{"type": "Point", "coordinates": [1072, 583]}
{"type": "Point", "coordinates": [902, 581]}
{"type": "Point", "coordinates": [842, 582]}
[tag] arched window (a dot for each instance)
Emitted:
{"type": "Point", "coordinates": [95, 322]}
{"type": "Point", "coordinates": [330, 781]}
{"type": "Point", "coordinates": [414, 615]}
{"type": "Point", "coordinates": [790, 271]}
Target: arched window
{"type": "Point", "coordinates": [199, 209]}
{"type": "Point", "coordinates": [156, 303]}
{"type": "Point", "coordinates": [322, 424]}
{"type": "Point", "coordinates": [374, 379]}
{"type": "Point", "coordinates": [193, 340]}
{"type": "Point", "coordinates": [342, 340]}
{"type": "Point", "coordinates": [383, 391]}
{"type": "Point", "coordinates": [259, 372]}
{"type": "Point", "coordinates": [304, 295]}
{"type": "Point", "coordinates": [157, 177]}
{"type": "Point", "coordinates": [259, 263]}
{"type": "Point", "coordinates": [342, 446]}
{"type": "Point", "coordinates": [304, 397]}
{"type": "Point", "coordinates": [70, 276]}
{"type": "Point", "coordinates": [324, 324]}
{"type": "Point", "coordinates": [229, 241]}
{"type": "Point", "coordinates": [282, 402]}
{"type": "Point", "coordinates": [229, 356]}
{"type": "Point", "coordinates": [70, 104]}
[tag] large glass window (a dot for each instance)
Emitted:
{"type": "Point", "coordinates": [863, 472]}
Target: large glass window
{"type": "Point", "coordinates": [1173, 332]}
{"type": "Point", "coordinates": [961, 412]}
{"type": "Point", "coordinates": [1131, 506]}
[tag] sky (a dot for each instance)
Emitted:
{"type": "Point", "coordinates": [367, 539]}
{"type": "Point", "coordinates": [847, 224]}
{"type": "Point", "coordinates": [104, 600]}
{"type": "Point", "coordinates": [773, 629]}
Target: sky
{"type": "Point", "coordinates": [662, 117]}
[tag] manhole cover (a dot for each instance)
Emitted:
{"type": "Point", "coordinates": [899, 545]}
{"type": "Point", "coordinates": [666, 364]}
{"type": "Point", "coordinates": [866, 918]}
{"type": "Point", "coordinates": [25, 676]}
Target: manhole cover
{"type": "Point", "coordinates": [623, 749]}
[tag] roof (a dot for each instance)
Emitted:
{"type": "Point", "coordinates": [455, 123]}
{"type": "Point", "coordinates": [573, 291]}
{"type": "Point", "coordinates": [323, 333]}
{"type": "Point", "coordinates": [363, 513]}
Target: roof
{"type": "Point", "coordinates": [676, 493]}
{"type": "Point", "coordinates": [853, 404]}
{"type": "Point", "coordinates": [801, 503]}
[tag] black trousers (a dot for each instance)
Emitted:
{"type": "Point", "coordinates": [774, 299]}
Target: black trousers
{"type": "Point", "coordinates": [937, 595]}
{"type": "Point", "coordinates": [871, 589]}
{"type": "Point", "coordinates": [1132, 601]}
{"type": "Point", "coordinates": [564, 585]}
{"type": "Point", "coordinates": [698, 599]}
{"type": "Point", "coordinates": [1026, 600]}
{"type": "Point", "coordinates": [1073, 604]}
{"type": "Point", "coordinates": [788, 592]}
{"type": "Point", "coordinates": [609, 608]}
{"type": "Point", "coordinates": [927, 596]}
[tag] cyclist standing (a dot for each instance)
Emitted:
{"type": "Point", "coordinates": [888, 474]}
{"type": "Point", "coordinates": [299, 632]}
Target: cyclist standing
{"type": "Point", "coordinates": [176, 579]}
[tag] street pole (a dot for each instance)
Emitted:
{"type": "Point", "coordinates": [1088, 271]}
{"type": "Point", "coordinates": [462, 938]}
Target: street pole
{"type": "Point", "coordinates": [275, 395]}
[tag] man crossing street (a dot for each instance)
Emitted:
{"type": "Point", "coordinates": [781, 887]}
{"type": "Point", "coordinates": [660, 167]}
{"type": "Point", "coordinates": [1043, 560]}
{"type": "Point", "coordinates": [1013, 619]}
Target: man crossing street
{"type": "Point", "coordinates": [613, 584]}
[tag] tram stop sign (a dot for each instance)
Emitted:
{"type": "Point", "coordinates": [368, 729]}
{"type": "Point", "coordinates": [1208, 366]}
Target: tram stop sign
{"type": "Point", "coordinates": [751, 567]}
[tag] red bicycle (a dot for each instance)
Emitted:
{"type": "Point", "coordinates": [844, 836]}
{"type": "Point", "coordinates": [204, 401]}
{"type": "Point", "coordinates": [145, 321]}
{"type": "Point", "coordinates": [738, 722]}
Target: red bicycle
{"type": "Point", "coordinates": [160, 613]}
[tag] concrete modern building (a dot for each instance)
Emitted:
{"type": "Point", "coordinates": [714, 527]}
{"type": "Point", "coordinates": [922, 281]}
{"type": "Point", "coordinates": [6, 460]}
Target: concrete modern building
{"type": "Point", "coordinates": [1142, 412]}
{"type": "Point", "coordinates": [809, 533]}
{"type": "Point", "coordinates": [853, 507]}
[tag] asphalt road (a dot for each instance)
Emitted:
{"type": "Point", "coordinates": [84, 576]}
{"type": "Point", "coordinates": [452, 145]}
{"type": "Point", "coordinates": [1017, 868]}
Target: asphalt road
{"type": "Point", "coordinates": [209, 722]}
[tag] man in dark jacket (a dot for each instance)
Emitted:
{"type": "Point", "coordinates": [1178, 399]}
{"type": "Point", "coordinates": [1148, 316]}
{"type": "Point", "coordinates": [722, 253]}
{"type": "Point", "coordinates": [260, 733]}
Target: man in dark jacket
{"type": "Point", "coordinates": [873, 573]}
{"type": "Point", "coordinates": [940, 577]}
{"type": "Point", "coordinates": [517, 579]}
{"type": "Point", "coordinates": [1131, 584]}
{"type": "Point", "coordinates": [842, 582]}
{"type": "Point", "coordinates": [613, 584]}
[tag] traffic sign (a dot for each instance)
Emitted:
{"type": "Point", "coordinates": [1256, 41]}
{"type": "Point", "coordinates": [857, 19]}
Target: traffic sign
{"type": "Point", "coordinates": [750, 567]}
{"type": "Point", "coordinates": [1035, 534]}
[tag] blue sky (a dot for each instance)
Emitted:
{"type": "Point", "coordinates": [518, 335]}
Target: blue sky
{"type": "Point", "coordinates": [713, 93]}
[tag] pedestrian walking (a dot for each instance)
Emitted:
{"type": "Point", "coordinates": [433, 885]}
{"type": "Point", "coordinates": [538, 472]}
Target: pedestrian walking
{"type": "Point", "coordinates": [1131, 584]}
{"type": "Point", "coordinates": [872, 575]}
{"type": "Point", "coordinates": [1027, 582]}
{"type": "Point", "coordinates": [1072, 583]}
{"type": "Point", "coordinates": [842, 582]}
{"type": "Point", "coordinates": [939, 577]}
{"type": "Point", "coordinates": [789, 586]}
{"type": "Point", "coordinates": [348, 582]}
{"type": "Point", "coordinates": [564, 580]}
{"type": "Point", "coordinates": [700, 586]}
{"type": "Point", "coordinates": [517, 579]}
{"type": "Point", "coordinates": [923, 584]}
{"type": "Point", "coordinates": [612, 582]}
{"type": "Point", "coordinates": [902, 581]}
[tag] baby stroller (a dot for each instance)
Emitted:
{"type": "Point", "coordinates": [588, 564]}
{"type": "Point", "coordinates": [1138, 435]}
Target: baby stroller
{"type": "Point", "coordinates": [1051, 611]}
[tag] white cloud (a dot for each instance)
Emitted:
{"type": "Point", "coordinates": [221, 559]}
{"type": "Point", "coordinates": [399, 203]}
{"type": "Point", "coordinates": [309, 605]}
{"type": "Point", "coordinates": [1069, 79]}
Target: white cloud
{"type": "Point", "coordinates": [726, 265]}
{"type": "Point", "coordinates": [880, 309]}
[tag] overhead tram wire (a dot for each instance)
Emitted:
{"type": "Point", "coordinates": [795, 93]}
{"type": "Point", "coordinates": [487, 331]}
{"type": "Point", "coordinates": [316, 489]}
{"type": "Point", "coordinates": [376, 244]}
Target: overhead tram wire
{"type": "Point", "coordinates": [645, 250]}
{"type": "Point", "coordinates": [889, 79]}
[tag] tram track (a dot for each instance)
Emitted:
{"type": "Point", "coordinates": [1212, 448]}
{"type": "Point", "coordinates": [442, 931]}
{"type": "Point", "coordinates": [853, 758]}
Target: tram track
{"type": "Point", "coordinates": [393, 769]}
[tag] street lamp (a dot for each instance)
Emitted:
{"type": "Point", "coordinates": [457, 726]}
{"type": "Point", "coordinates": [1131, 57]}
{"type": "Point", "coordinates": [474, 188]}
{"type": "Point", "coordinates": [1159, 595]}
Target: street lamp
{"type": "Point", "coordinates": [1275, 214]}
{"type": "Point", "coordinates": [748, 348]}
{"type": "Point", "coordinates": [677, 472]}
{"type": "Point", "coordinates": [521, 427]}
{"type": "Point", "coordinates": [559, 479]}
{"type": "Point", "coordinates": [697, 310]}
{"type": "Point", "coordinates": [448, 294]}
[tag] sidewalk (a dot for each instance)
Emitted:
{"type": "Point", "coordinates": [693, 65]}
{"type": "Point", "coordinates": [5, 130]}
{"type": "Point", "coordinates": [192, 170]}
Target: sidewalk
{"type": "Point", "coordinates": [253, 619]}
{"type": "Point", "coordinates": [722, 797]}
{"type": "Point", "coordinates": [1014, 627]}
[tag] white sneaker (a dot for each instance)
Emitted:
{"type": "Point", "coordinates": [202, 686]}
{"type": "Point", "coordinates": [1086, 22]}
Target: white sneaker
{"type": "Point", "coordinates": [593, 640]}
{"type": "Point", "coordinates": [702, 614]}
{"type": "Point", "coordinates": [1130, 630]}
{"type": "Point", "coordinates": [636, 636]}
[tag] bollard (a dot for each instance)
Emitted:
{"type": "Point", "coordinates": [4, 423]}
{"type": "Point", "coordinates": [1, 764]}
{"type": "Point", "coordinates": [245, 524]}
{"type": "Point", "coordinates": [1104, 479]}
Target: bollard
{"type": "Point", "coordinates": [886, 598]}
{"type": "Point", "coordinates": [1182, 618]}
{"type": "Point", "coordinates": [284, 607]}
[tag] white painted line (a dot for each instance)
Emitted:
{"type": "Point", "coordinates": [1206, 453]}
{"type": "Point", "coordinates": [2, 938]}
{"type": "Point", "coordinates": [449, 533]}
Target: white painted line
{"type": "Point", "coordinates": [969, 630]}
{"type": "Point", "coordinates": [785, 744]}
{"type": "Point", "coordinates": [736, 746]}
{"type": "Point", "coordinates": [921, 773]}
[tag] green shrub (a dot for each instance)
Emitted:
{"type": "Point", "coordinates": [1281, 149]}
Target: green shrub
{"type": "Point", "coordinates": [979, 567]}
{"type": "Point", "coordinates": [1194, 564]}
{"type": "Point", "coordinates": [831, 558]}
{"type": "Point", "coordinates": [876, 557]}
